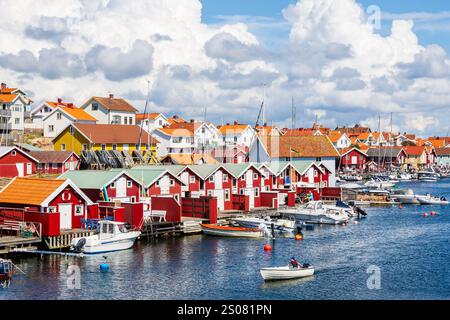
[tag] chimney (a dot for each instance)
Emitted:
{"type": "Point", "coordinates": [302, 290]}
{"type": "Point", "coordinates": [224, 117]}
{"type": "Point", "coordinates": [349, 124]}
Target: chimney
{"type": "Point", "coordinates": [192, 120]}
{"type": "Point", "coordinates": [111, 96]}
{"type": "Point", "coordinates": [3, 86]}
{"type": "Point", "coordinates": [175, 116]}
{"type": "Point", "coordinates": [59, 100]}
{"type": "Point", "coordinates": [70, 105]}
{"type": "Point", "coordinates": [236, 123]}
{"type": "Point", "coordinates": [228, 123]}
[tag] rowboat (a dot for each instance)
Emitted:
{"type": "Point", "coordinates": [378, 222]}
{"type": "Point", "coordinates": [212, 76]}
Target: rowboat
{"type": "Point", "coordinates": [286, 272]}
{"type": "Point", "coordinates": [226, 231]}
{"type": "Point", "coordinates": [110, 236]}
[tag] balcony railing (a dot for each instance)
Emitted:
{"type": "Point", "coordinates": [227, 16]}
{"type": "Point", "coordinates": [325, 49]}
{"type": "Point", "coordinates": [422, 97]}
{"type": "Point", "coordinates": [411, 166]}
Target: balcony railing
{"type": "Point", "coordinates": [5, 113]}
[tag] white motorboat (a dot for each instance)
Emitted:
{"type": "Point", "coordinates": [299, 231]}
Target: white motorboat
{"type": "Point", "coordinates": [428, 176]}
{"type": "Point", "coordinates": [405, 177]}
{"type": "Point", "coordinates": [286, 272]}
{"type": "Point", "coordinates": [405, 196]}
{"type": "Point", "coordinates": [315, 212]}
{"type": "Point", "coordinates": [348, 210]}
{"type": "Point", "coordinates": [280, 225]}
{"type": "Point", "coordinates": [110, 236]}
{"type": "Point", "coordinates": [431, 200]}
{"type": "Point", "coordinates": [379, 183]}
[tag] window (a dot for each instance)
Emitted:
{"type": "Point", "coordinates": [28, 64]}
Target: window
{"type": "Point", "coordinates": [112, 185]}
{"type": "Point", "coordinates": [316, 173]}
{"type": "Point", "coordinates": [172, 182]}
{"type": "Point", "coordinates": [79, 210]}
{"type": "Point", "coordinates": [54, 166]}
{"type": "Point", "coordinates": [225, 178]}
{"type": "Point", "coordinates": [94, 106]}
{"type": "Point", "coordinates": [51, 209]}
{"type": "Point", "coordinates": [211, 179]}
{"type": "Point", "coordinates": [47, 166]}
{"type": "Point", "coordinates": [67, 165]}
{"type": "Point", "coordinates": [85, 147]}
{"type": "Point", "coordinates": [63, 147]}
{"type": "Point", "coordinates": [59, 116]}
{"type": "Point", "coordinates": [255, 176]}
{"type": "Point", "coordinates": [177, 139]}
{"type": "Point", "coordinates": [130, 120]}
{"type": "Point", "coordinates": [256, 192]}
{"type": "Point", "coordinates": [191, 179]}
{"type": "Point", "coordinates": [116, 120]}
{"type": "Point", "coordinates": [136, 146]}
{"type": "Point", "coordinates": [13, 153]}
{"type": "Point", "coordinates": [177, 197]}
{"type": "Point", "coordinates": [242, 177]}
{"type": "Point", "coordinates": [241, 191]}
{"type": "Point", "coordinates": [133, 199]}
{"type": "Point", "coordinates": [318, 159]}
{"type": "Point", "coordinates": [71, 130]}
{"type": "Point", "coordinates": [157, 183]}
{"type": "Point", "coordinates": [129, 184]}
{"type": "Point", "coordinates": [17, 120]}
{"type": "Point", "coordinates": [103, 147]}
{"type": "Point", "coordinates": [234, 182]}
{"type": "Point", "coordinates": [51, 128]}
{"type": "Point", "coordinates": [227, 195]}
{"type": "Point", "coordinates": [235, 139]}
{"type": "Point", "coordinates": [209, 193]}
{"type": "Point", "coordinates": [39, 166]}
{"type": "Point", "coordinates": [125, 120]}
{"type": "Point", "coordinates": [114, 146]}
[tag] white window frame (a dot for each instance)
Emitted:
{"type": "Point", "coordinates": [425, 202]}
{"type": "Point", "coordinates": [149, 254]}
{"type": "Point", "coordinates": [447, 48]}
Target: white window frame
{"type": "Point", "coordinates": [51, 209]}
{"type": "Point", "coordinates": [63, 147]}
{"type": "Point", "coordinates": [112, 185]}
{"type": "Point", "coordinates": [75, 210]}
{"type": "Point", "coordinates": [191, 179]}
{"type": "Point", "coordinates": [227, 195]}
{"type": "Point", "coordinates": [13, 153]}
{"type": "Point", "coordinates": [129, 184]}
{"type": "Point", "coordinates": [225, 177]}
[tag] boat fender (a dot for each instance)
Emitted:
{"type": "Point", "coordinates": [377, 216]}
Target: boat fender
{"type": "Point", "coordinates": [298, 237]}
{"type": "Point", "coordinates": [267, 247]}
{"type": "Point", "coordinates": [425, 214]}
{"type": "Point", "coordinates": [104, 267]}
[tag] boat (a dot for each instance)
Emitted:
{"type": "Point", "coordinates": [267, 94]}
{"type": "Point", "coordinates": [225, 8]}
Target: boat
{"type": "Point", "coordinates": [431, 200]}
{"type": "Point", "coordinates": [405, 177]}
{"type": "Point", "coordinates": [227, 231]}
{"type": "Point", "coordinates": [280, 225]}
{"type": "Point", "coordinates": [428, 176]}
{"type": "Point", "coordinates": [110, 236]}
{"type": "Point", "coordinates": [315, 212]}
{"type": "Point", "coordinates": [6, 272]}
{"type": "Point", "coordinates": [405, 196]}
{"type": "Point", "coordinates": [286, 272]}
{"type": "Point", "coordinates": [379, 183]}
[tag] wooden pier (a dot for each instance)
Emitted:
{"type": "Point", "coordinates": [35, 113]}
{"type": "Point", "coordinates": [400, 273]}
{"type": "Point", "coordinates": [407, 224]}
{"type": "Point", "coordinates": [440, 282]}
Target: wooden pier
{"type": "Point", "coordinates": [64, 240]}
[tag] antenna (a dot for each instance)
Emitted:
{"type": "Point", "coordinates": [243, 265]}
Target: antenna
{"type": "Point", "coordinates": [142, 122]}
{"type": "Point", "coordinates": [263, 105]}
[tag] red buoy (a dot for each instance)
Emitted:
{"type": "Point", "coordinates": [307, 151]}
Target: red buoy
{"type": "Point", "coordinates": [425, 214]}
{"type": "Point", "coordinates": [267, 247]}
{"type": "Point", "coordinates": [433, 213]}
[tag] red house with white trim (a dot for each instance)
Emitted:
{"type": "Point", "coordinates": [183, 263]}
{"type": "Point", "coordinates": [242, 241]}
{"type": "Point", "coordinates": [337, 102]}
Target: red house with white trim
{"type": "Point", "coordinates": [56, 204]}
{"type": "Point", "coordinates": [55, 162]}
{"type": "Point", "coordinates": [353, 159]}
{"type": "Point", "coordinates": [16, 163]}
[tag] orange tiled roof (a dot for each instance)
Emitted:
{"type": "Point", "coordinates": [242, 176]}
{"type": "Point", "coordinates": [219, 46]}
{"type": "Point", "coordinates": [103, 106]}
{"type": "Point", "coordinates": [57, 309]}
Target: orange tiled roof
{"type": "Point", "coordinates": [364, 136]}
{"type": "Point", "coordinates": [233, 128]}
{"type": "Point", "coordinates": [8, 98]}
{"type": "Point", "coordinates": [299, 146]}
{"type": "Point", "coordinates": [113, 133]}
{"type": "Point", "coordinates": [414, 150]}
{"type": "Point", "coordinates": [177, 132]}
{"type": "Point", "coordinates": [299, 132]}
{"type": "Point", "coordinates": [29, 191]}
{"type": "Point", "coordinates": [335, 136]}
{"type": "Point", "coordinates": [142, 116]}
{"type": "Point", "coordinates": [438, 143]}
{"type": "Point", "coordinates": [116, 104]}
{"type": "Point", "coordinates": [78, 114]}
{"type": "Point", "coordinates": [176, 120]}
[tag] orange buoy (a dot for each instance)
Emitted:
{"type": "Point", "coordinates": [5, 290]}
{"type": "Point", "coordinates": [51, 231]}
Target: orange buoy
{"type": "Point", "coordinates": [267, 247]}
{"type": "Point", "coordinates": [298, 237]}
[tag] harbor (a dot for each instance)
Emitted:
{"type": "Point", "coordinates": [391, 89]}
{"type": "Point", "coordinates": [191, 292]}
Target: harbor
{"type": "Point", "coordinates": [400, 241]}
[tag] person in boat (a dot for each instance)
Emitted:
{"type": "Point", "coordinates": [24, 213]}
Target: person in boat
{"type": "Point", "coordinates": [294, 263]}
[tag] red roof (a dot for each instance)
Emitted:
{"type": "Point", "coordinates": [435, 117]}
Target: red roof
{"type": "Point", "coordinates": [414, 150]}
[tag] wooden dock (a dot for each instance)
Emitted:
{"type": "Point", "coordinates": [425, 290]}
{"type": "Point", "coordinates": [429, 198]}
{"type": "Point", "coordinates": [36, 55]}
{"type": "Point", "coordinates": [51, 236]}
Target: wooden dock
{"type": "Point", "coordinates": [64, 240]}
{"type": "Point", "coordinates": [9, 243]}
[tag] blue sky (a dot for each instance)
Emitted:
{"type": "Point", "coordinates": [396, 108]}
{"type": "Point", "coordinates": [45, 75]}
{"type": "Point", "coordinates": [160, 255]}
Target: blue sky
{"type": "Point", "coordinates": [429, 31]}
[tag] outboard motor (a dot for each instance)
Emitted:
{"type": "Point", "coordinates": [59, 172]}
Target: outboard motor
{"type": "Point", "coordinates": [80, 244]}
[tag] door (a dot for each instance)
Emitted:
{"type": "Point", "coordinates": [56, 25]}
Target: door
{"type": "Point", "coordinates": [121, 188]}
{"type": "Point", "coordinates": [311, 175]}
{"type": "Point", "coordinates": [65, 214]}
{"type": "Point", "coordinates": [72, 165]}
{"type": "Point", "coordinates": [29, 169]}
{"type": "Point", "coordinates": [251, 194]}
{"type": "Point", "coordinates": [19, 167]}
{"type": "Point", "coordinates": [185, 179]}
{"type": "Point", "coordinates": [219, 194]}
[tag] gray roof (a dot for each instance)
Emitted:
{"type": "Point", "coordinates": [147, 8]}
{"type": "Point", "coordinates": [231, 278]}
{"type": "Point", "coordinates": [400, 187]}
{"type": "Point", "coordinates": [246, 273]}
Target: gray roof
{"type": "Point", "coordinates": [390, 152]}
{"type": "Point", "coordinates": [90, 179]}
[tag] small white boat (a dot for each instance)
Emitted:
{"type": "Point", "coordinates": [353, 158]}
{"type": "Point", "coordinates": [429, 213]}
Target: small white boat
{"type": "Point", "coordinates": [428, 176]}
{"type": "Point", "coordinates": [286, 272]}
{"type": "Point", "coordinates": [226, 231]}
{"type": "Point", "coordinates": [431, 200]}
{"type": "Point", "coordinates": [280, 225]}
{"type": "Point", "coordinates": [316, 212]}
{"type": "Point", "coordinates": [405, 196]}
{"type": "Point", "coordinates": [110, 236]}
{"type": "Point", "coordinates": [405, 177]}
